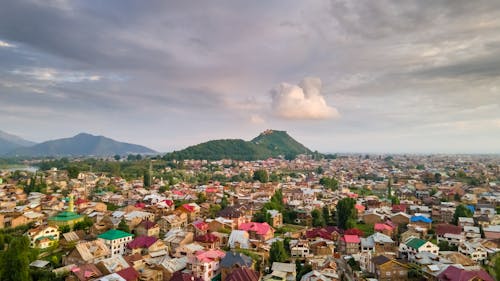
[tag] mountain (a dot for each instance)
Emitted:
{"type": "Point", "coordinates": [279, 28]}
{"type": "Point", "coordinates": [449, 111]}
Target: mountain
{"type": "Point", "coordinates": [9, 142]}
{"type": "Point", "coordinates": [270, 143]}
{"type": "Point", "coordinates": [80, 145]}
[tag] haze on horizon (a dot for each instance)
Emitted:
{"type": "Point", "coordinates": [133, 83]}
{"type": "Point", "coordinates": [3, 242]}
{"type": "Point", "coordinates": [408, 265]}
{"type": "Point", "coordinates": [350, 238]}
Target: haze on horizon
{"type": "Point", "coordinates": [338, 76]}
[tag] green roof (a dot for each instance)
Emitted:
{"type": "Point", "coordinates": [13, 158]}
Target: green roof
{"type": "Point", "coordinates": [65, 216]}
{"type": "Point", "coordinates": [114, 234]}
{"type": "Point", "coordinates": [415, 243]}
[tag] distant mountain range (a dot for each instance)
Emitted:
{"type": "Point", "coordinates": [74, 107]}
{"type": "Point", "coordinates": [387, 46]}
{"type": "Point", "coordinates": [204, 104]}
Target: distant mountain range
{"type": "Point", "coordinates": [270, 143]}
{"type": "Point", "coordinates": [9, 142]}
{"type": "Point", "coordinates": [80, 145]}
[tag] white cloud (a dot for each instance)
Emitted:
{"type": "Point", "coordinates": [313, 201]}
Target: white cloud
{"type": "Point", "coordinates": [303, 101]}
{"type": "Point", "coordinates": [5, 44]}
{"type": "Point", "coordinates": [54, 75]}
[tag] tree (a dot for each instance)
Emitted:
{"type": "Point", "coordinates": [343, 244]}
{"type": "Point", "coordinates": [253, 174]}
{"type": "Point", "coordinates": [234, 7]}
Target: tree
{"type": "Point", "coordinates": [261, 176]}
{"type": "Point", "coordinates": [329, 182]}
{"type": "Point", "coordinates": [123, 226]}
{"type": "Point", "coordinates": [389, 188]}
{"type": "Point", "coordinates": [277, 253]}
{"type": "Point", "coordinates": [497, 267]}
{"type": "Point", "coordinates": [317, 218]}
{"type": "Point", "coordinates": [64, 228]}
{"type": "Point", "coordinates": [15, 260]}
{"type": "Point", "coordinates": [346, 213]}
{"type": "Point", "coordinates": [461, 211]}
{"type": "Point", "coordinates": [117, 157]}
{"type": "Point", "coordinates": [73, 171]}
{"type": "Point", "coordinates": [202, 198]}
{"type": "Point", "coordinates": [147, 179]}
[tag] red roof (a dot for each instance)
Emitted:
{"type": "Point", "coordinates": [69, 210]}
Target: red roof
{"type": "Point", "coordinates": [360, 208]}
{"type": "Point", "coordinates": [147, 224]}
{"type": "Point", "coordinates": [323, 232]}
{"type": "Point", "coordinates": [128, 274]}
{"type": "Point", "coordinates": [80, 201]}
{"type": "Point", "coordinates": [169, 202]}
{"type": "Point", "coordinates": [351, 239]}
{"type": "Point", "coordinates": [201, 225]}
{"type": "Point", "coordinates": [261, 228]}
{"type": "Point", "coordinates": [183, 276]}
{"type": "Point", "coordinates": [453, 273]}
{"type": "Point", "coordinates": [142, 242]}
{"type": "Point", "coordinates": [189, 208]}
{"type": "Point", "coordinates": [140, 205]}
{"type": "Point", "coordinates": [399, 208]}
{"type": "Point", "coordinates": [211, 190]}
{"type": "Point", "coordinates": [207, 238]}
{"type": "Point", "coordinates": [354, 231]}
{"type": "Point", "coordinates": [444, 228]}
{"type": "Point", "coordinates": [382, 227]}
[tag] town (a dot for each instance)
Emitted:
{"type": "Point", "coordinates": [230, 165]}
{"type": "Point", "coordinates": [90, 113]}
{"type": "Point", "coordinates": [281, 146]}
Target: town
{"type": "Point", "coordinates": [329, 217]}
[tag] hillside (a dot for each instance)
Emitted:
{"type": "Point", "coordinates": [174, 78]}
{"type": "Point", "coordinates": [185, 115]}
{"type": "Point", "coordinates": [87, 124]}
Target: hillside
{"type": "Point", "coordinates": [9, 142]}
{"type": "Point", "coordinates": [268, 144]}
{"type": "Point", "coordinates": [80, 145]}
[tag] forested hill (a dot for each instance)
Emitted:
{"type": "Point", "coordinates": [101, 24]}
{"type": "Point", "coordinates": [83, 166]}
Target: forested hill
{"type": "Point", "coordinates": [270, 143]}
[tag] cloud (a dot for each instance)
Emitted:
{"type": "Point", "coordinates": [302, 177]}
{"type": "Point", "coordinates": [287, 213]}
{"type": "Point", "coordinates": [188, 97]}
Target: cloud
{"type": "Point", "coordinates": [303, 101]}
{"type": "Point", "coordinates": [5, 44]}
{"type": "Point", "coordinates": [256, 119]}
{"type": "Point", "coordinates": [53, 75]}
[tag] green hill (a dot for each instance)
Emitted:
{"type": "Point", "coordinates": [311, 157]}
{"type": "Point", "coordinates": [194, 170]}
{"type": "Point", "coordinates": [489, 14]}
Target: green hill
{"type": "Point", "coordinates": [268, 144]}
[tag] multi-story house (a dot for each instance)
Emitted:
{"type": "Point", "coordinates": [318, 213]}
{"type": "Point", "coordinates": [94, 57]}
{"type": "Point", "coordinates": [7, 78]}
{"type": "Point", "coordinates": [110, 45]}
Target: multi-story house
{"type": "Point", "coordinates": [43, 236]}
{"type": "Point", "coordinates": [387, 269]}
{"type": "Point", "coordinates": [414, 246]}
{"type": "Point", "coordinates": [205, 264]}
{"type": "Point", "coordinates": [258, 231]}
{"type": "Point", "coordinates": [116, 241]}
{"type": "Point", "coordinates": [349, 244]}
{"type": "Point", "coordinates": [87, 253]}
{"type": "Point", "coordinates": [449, 233]}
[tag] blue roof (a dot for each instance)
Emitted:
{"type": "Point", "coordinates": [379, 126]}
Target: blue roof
{"type": "Point", "coordinates": [420, 219]}
{"type": "Point", "coordinates": [471, 208]}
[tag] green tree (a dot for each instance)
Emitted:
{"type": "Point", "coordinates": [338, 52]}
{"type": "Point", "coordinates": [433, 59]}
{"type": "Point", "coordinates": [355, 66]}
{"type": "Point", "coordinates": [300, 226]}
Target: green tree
{"type": "Point", "coordinates": [317, 218]}
{"type": "Point", "coordinates": [277, 253]}
{"type": "Point", "coordinates": [261, 176]}
{"type": "Point", "coordinates": [497, 267]}
{"type": "Point", "coordinates": [117, 157]}
{"type": "Point", "coordinates": [15, 260]}
{"type": "Point", "coordinates": [329, 182]}
{"type": "Point", "coordinates": [346, 213]}
{"type": "Point", "coordinates": [202, 198]}
{"type": "Point", "coordinates": [147, 179]}
{"type": "Point", "coordinates": [73, 171]}
{"type": "Point", "coordinates": [123, 226]}
{"type": "Point", "coordinates": [64, 228]}
{"type": "Point", "coordinates": [461, 211]}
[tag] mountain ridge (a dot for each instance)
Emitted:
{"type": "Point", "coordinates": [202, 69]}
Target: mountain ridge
{"type": "Point", "coordinates": [82, 144]}
{"type": "Point", "coordinates": [270, 143]}
{"type": "Point", "coordinates": [9, 142]}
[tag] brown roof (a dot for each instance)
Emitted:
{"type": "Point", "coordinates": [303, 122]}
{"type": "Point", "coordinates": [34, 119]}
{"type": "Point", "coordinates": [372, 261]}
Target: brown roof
{"type": "Point", "coordinates": [243, 274]}
{"type": "Point", "coordinates": [442, 229]}
{"type": "Point", "coordinates": [378, 260]}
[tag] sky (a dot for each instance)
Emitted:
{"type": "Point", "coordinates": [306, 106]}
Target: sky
{"type": "Point", "coordinates": [381, 76]}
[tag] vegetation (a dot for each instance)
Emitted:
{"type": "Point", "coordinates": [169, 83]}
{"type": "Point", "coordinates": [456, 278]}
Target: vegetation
{"type": "Point", "coordinates": [329, 182]}
{"type": "Point", "coordinates": [266, 145]}
{"type": "Point", "coordinates": [461, 211]}
{"type": "Point", "coordinates": [346, 213]}
{"type": "Point", "coordinates": [277, 253]}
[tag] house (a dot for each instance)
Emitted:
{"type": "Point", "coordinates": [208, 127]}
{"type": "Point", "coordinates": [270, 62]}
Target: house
{"type": "Point", "coordinates": [243, 274]}
{"type": "Point", "coordinates": [464, 221]}
{"type": "Point", "coordinates": [148, 245]}
{"type": "Point", "coordinates": [172, 221]}
{"type": "Point", "coordinates": [234, 260]}
{"type": "Point", "coordinates": [299, 249]}
{"type": "Point", "coordinates": [171, 266]}
{"type": "Point", "coordinates": [349, 244]}
{"type": "Point", "coordinates": [220, 224]}
{"type": "Point", "coordinates": [385, 228]}
{"type": "Point", "coordinates": [413, 246]}
{"type": "Point", "coordinates": [177, 237]}
{"type": "Point", "coordinates": [275, 217]}
{"type": "Point", "coordinates": [258, 231]}
{"type": "Point", "coordinates": [147, 228]}
{"type": "Point", "coordinates": [43, 236]}
{"type": "Point", "coordinates": [116, 241]}
{"type": "Point", "coordinates": [378, 243]}
{"type": "Point", "coordinates": [400, 218]}
{"type": "Point", "coordinates": [471, 232]}
{"type": "Point", "coordinates": [474, 250]}
{"type": "Point", "coordinates": [184, 276]}
{"type": "Point", "coordinates": [198, 227]}
{"type": "Point", "coordinates": [421, 221]}
{"type": "Point", "coordinates": [453, 273]}
{"type": "Point", "coordinates": [208, 240]}
{"type": "Point", "coordinates": [235, 214]}
{"type": "Point", "coordinates": [112, 264]}
{"type": "Point", "coordinates": [492, 232]}
{"type": "Point", "coordinates": [389, 269]}
{"type": "Point", "coordinates": [187, 250]}
{"type": "Point", "coordinates": [321, 275]}
{"type": "Point", "coordinates": [87, 252]}
{"type": "Point", "coordinates": [372, 217]}
{"type": "Point", "coordinates": [285, 271]}
{"type": "Point", "coordinates": [205, 264]}
{"type": "Point", "coordinates": [192, 210]}
{"type": "Point", "coordinates": [239, 239]}
{"type": "Point", "coordinates": [449, 233]}
{"type": "Point", "coordinates": [322, 247]}
{"type": "Point", "coordinates": [85, 272]}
